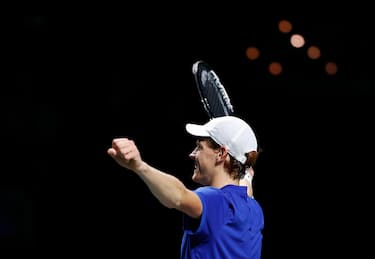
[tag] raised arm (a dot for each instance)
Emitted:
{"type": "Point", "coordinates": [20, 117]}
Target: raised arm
{"type": "Point", "coordinates": [247, 181]}
{"type": "Point", "coordinates": [169, 190]}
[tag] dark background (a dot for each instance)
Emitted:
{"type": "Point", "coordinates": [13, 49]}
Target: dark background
{"type": "Point", "coordinates": [76, 82]}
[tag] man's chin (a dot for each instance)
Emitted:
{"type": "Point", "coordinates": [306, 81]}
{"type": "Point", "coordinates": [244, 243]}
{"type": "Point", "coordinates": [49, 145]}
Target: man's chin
{"type": "Point", "coordinates": [195, 177]}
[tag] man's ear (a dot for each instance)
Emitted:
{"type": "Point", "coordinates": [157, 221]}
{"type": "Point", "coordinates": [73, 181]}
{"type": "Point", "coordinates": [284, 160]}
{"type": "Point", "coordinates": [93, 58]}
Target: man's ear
{"type": "Point", "coordinates": [222, 154]}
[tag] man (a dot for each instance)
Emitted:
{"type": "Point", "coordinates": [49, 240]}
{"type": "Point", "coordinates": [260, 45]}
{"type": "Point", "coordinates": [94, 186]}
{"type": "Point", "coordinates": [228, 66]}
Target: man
{"type": "Point", "coordinates": [220, 219]}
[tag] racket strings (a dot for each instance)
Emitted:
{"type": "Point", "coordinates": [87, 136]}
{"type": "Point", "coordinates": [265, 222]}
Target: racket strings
{"type": "Point", "coordinates": [215, 102]}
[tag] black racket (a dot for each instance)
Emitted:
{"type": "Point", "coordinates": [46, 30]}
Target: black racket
{"type": "Point", "coordinates": [215, 101]}
{"type": "Point", "coordinates": [213, 95]}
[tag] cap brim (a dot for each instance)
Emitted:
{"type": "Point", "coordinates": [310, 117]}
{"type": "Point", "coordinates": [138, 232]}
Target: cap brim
{"type": "Point", "coordinates": [197, 130]}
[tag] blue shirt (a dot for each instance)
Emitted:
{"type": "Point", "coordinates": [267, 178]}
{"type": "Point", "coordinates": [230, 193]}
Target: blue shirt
{"type": "Point", "coordinates": [230, 226]}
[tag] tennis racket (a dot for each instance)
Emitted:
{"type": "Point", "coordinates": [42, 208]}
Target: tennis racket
{"type": "Point", "coordinates": [216, 103]}
{"type": "Point", "coordinates": [212, 93]}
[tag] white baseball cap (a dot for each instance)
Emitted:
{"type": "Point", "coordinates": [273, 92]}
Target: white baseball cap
{"type": "Point", "coordinates": [229, 131]}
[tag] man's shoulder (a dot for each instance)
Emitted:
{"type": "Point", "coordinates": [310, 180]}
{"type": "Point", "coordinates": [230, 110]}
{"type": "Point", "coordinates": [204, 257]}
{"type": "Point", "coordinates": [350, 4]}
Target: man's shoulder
{"type": "Point", "coordinates": [208, 190]}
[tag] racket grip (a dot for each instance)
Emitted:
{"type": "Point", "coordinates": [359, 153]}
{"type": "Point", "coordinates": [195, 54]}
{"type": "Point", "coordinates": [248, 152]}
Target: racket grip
{"type": "Point", "coordinates": [248, 177]}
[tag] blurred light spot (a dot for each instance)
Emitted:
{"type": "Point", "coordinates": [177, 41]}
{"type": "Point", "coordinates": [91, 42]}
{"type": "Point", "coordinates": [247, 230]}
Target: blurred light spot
{"type": "Point", "coordinates": [313, 52]}
{"type": "Point", "coordinates": [252, 53]}
{"type": "Point", "coordinates": [297, 40]}
{"type": "Point", "coordinates": [331, 68]}
{"type": "Point", "coordinates": [285, 26]}
{"type": "Point", "coordinates": [275, 68]}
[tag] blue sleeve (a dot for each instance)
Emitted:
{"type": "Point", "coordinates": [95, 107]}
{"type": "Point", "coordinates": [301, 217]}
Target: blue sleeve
{"type": "Point", "coordinates": [213, 212]}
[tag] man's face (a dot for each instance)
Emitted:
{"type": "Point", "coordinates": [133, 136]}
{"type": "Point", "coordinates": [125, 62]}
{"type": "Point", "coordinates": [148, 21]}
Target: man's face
{"type": "Point", "coordinates": [204, 156]}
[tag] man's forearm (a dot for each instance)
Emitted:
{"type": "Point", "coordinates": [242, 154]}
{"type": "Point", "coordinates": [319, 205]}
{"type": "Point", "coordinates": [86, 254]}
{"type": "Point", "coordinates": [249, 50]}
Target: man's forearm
{"type": "Point", "coordinates": [168, 189]}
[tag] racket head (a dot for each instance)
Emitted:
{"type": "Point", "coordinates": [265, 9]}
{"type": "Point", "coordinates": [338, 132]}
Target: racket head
{"type": "Point", "coordinates": [213, 95]}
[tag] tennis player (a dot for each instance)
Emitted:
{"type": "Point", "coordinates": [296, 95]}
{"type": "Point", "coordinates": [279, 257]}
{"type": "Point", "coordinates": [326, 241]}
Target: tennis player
{"type": "Point", "coordinates": [220, 219]}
